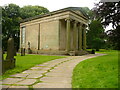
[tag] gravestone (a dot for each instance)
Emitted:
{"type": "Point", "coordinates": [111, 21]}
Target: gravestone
{"type": "Point", "coordinates": [9, 63]}
{"type": "Point", "coordinates": [29, 50]}
{"type": "Point", "coordinates": [22, 51]}
{"type": "Point", "coordinates": [10, 49]}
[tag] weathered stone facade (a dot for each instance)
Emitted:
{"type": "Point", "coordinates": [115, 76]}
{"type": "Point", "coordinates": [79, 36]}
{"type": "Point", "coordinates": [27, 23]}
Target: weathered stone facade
{"type": "Point", "coordinates": [59, 32]}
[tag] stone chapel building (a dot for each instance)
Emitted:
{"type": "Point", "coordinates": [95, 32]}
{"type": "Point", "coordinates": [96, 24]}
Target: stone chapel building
{"type": "Point", "coordinates": [58, 32]}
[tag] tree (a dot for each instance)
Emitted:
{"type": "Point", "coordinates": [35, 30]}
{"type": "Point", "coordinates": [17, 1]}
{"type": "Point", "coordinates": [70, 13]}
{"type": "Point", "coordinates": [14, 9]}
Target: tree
{"type": "Point", "coordinates": [90, 13]}
{"type": "Point", "coordinates": [95, 34]}
{"type": "Point", "coordinates": [30, 11]}
{"type": "Point", "coordinates": [109, 12]}
{"type": "Point", "coordinates": [95, 31]}
{"type": "Point", "coordinates": [12, 14]}
{"type": "Point", "coordinates": [113, 40]}
{"type": "Point", "coordinates": [10, 24]}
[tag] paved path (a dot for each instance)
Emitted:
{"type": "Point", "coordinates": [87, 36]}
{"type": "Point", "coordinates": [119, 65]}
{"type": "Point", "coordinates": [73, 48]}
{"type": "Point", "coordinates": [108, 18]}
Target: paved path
{"type": "Point", "coordinates": [52, 74]}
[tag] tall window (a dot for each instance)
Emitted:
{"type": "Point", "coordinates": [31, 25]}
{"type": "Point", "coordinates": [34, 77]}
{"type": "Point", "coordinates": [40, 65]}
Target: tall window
{"type": "Point", "coordinates": [23, 35]}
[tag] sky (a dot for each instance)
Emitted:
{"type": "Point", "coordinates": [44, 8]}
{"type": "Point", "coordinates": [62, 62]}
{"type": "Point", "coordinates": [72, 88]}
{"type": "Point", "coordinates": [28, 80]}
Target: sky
{"type": "Point", "coordinates": [53, 5]}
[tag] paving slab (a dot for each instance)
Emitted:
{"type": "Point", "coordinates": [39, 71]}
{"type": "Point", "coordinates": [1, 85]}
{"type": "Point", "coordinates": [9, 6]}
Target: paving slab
{"type": "Point", "coordinates": [5, 86]}
{"type": "Point", "coordinates": [19, 75]}
{"type": "Point", "coordinates": [27, 82]}
{"type": "Point", "coordinates": [33, 68]}
{"type": "Point", "coordinates": [34, 75]}
{"type": "Point", "coordinates": [51, 85]}
{"type": "Point", "coordinates": [52, 64]}
{"type": "Point", "coordinates": [19, 87]}
{"type": "Point", "coordinates": [41, 65]}
{"type": "Point", "coordinates": [11, 80]}
{"type": "Point", "coordinates": [65, 71]}
{"type": "Point", "coordinates": [56, 79]}
{"type": "Point", "coordinates": [58, 74]}
{"type": "Point", "coordinates": [35, 71]}
{"type": "Point", "coordinates": [40, 68]}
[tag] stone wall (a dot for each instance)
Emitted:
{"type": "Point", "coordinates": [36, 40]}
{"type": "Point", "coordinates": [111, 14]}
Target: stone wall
{"type": "Point", "coordinates": [49, 24]}
{"type": "Point", "coordinates": [32, 36]}
{"type": "Point", "coordinates": [49, 35]}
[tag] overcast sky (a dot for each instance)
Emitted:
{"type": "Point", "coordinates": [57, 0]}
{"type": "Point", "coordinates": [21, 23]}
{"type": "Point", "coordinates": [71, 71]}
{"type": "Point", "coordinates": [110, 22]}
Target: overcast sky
{"type": "Point", "coordinates": [53, 5]}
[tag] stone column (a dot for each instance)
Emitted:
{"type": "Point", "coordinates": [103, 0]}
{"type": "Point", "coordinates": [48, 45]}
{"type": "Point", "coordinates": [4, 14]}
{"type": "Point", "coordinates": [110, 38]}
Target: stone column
{"type": "Point", "coordinates": [75, 36]}
{"type": "Point", "coordinates": [80, 36]}
{"type": "Point", "coordinates": [84, 37]}
{"type": "Point", "coordinates": [68, 35]}
{"type": "Point", "coordinates": [39, 37]}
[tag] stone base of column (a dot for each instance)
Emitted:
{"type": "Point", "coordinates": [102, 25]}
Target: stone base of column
{"type": "Point", "coordinates": [82, 52]}
{"type": "Point", "coordinates": [72, 53]}
{"type": "Point", "coordinates": [78, 53]}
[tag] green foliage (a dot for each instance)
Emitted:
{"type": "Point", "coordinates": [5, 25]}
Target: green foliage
{"type": "Point", "coordinates": [30, 11]}
{"type": "Point", "coordinates": [113, 39]}
{"type": "Point", "coordinates": [12, 14]}
{"type": "Point", "coordinates": [109, 12]}
{"type": "Point", "coordinates": [10, 23]}
{"type": "Point", "coordinates": [90, 13]}
{"type": "Point", "coordinates": [28, 61]}
{"type": "Point", "coordinates": [99, 72]}
{"type": "Point", "coordinates": [95, 33]}
{"type": "Point", "coordinates": [95, 39]}
{"type": "Point", "coordinates": [97, 43]}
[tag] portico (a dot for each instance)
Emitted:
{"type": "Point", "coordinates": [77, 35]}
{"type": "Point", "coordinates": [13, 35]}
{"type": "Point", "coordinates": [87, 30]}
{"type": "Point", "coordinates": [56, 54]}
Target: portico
{"type": "Point", "coordinates": [75, 36]}
{"type": "Point", "coordinates": [60, 32]}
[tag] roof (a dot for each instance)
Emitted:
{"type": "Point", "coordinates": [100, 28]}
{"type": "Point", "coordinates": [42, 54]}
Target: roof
{"type": "Point", "coordinates": [72, 9]}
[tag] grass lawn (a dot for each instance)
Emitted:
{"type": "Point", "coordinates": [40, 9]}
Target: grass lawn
{"type": "Point", "coordinates": [98, 72]}
{"type": "Point", "coordinates": [28, 61]}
